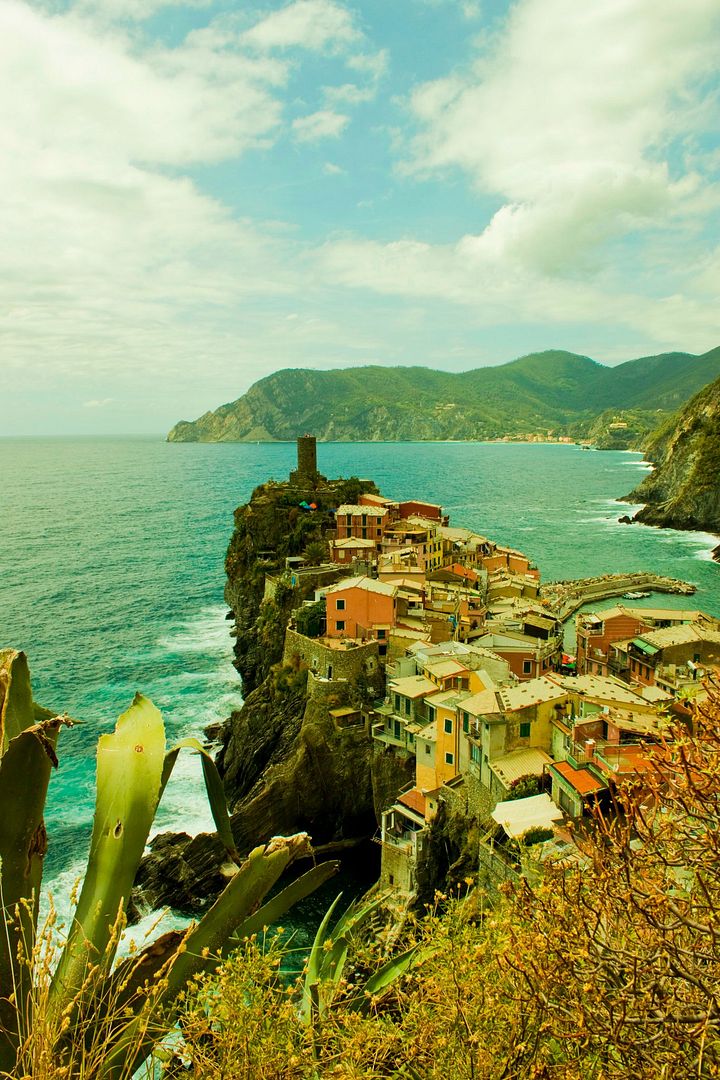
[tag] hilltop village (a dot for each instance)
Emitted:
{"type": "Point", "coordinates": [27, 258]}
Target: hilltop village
{"type": "Point", "coordinates": [436, 657]}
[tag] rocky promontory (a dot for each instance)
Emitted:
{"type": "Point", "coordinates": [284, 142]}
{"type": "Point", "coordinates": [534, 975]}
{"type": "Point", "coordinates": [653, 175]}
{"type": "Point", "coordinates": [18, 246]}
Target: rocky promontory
{"type": "Point", "coordinates": [683, 490]}
{"type": "Point", "coordinates": [290, 761]}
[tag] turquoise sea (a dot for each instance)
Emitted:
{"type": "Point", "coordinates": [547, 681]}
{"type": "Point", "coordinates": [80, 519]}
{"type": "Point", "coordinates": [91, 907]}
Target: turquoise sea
{"type": "Point", "coordinates": [112, 571]}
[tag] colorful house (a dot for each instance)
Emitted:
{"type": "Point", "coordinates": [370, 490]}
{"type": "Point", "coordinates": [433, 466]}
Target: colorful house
{"type": "Point", "coordinates": [362, 608]}
{"type": "Point", "coordinates": [361, 522]}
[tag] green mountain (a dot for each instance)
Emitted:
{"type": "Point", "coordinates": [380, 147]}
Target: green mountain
{"type": "Point", "coordinates": [552, 389]}
{"type": "Point", "coordinates": [683, 491]}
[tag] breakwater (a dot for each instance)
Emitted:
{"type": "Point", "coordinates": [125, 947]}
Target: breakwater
{"type": "Point", "coordinates": [567, 597]}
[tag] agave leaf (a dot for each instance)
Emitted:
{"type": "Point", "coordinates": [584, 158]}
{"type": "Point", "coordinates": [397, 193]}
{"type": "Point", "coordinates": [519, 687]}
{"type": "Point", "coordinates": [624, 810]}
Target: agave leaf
{"type": "Point", "coordinates": [210, 939]}
{"type": "Point", "coordinates": [349, 922]}
{"type": "Point", "coordinates": [274, 909]}
{"type": "Point", "coordinates": [129, 771]}
{"type": "Point", "coordinates": [24, 775]}
{"type": "Point", "coordinates": [356, 914]}
{"type": "Point", "coordinates": [313, 975]}
{"type": "Point", "coordinates": [131, 974]}
{"type": "Point", "coordinates": [214, 788]}
{"type": "Point", "coordinates": [16, 703]}
{"type": "Point", "coordinates": [389, 973]}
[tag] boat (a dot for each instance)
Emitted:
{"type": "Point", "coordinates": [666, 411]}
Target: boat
{"type": "Point", "coordinates": [635, 595]}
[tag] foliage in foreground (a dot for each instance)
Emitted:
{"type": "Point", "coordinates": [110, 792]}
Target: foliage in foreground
{"type": "Point", "coordinates": [606, 969]}
{"type": "Point", "coordinates": [66, 1011]}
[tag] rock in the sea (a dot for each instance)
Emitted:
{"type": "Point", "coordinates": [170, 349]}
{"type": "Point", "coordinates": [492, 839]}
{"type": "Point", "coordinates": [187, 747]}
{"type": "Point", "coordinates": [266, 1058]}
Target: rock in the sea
{"type": "Point", "coordinates": [183, 872]}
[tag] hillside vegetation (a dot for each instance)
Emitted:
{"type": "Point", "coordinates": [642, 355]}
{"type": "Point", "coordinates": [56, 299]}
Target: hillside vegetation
{"type": "Point", "coordinates": [544, 390]}
{"type": "Point", "coordinates": [683, 491]}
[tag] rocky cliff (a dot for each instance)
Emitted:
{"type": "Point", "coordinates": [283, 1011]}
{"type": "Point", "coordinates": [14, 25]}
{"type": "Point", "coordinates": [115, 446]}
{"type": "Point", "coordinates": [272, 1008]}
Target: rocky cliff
{"type": "Point", "coordinates": [286, 764]}
{"type": "Point", "coordinates": [683, 490]}
{"type": "Point", "coordinates": [548, 389]}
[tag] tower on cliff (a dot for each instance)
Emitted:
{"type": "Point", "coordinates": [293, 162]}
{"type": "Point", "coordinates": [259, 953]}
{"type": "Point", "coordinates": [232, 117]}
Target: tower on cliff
{"type": "Point", "coordinates": [307, 470]}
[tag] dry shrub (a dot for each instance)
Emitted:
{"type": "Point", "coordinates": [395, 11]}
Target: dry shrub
{"type": "Point", "coordinates": [606, 970]}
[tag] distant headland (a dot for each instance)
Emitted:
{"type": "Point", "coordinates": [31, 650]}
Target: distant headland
{"type": "Point", "coordinates": [552, 394]}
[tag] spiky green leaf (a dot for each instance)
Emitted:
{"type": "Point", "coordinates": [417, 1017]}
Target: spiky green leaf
{"type": "Point", "coordinates": [129, 771]}
{"type": "Point", "coordinates": [214, 788]}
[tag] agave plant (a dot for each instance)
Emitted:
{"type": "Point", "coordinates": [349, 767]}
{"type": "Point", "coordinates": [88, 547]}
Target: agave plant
{"type": "Point", "coordinates": [328, 956]}
{"type": "Point", "coordinates": [133, 768]}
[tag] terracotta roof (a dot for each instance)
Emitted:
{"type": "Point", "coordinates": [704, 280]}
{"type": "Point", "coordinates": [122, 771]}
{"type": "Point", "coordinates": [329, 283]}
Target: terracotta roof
{"type": "Point", "coordinates": [354, 510]}
{"type": "Point", "coordinates": [530, 693]}
{"type": "Point", "coordinates": [527, 761]}
{"type": "Point", "coordinates": [354, 542]}
{"type": "Point", "coordinates": [414, 799]}
{"type": "Point", "coordinates": [581, 779]}
{"type": "Point", "coordinates": [366, 583]}
{"type": "Point", "coordinates": [461, 571]}
{"type": "Point", "coordinates": [412, 686]}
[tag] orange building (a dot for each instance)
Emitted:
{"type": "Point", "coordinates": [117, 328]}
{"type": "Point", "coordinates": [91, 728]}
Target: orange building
{"type": "Point", "coordinates": [597, 632]}
{"type": "Point", "coordinates": [361, 608]}
{"type": "Point", "coordinates": [421, 509]}
{"type": "Point", "coordinates": [354, 547]}
{"type": "Point", "coordinates": [362, 522]}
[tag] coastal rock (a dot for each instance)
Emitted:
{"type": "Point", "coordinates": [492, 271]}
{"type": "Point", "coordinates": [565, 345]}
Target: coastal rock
{"type": "Point", "coordinates": [181, 871]}
{"type": "Point", "coordinates": [286, 766]}
{"type": "Point", "coordinates": [625, 520]}
{"type": "Point", "coordinates": [683, 490]}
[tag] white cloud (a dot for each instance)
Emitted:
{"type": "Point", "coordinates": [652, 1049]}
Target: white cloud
{"type": "Point", "coordinates": [332, 169]}
{"type": "Point", "coordinates": [584, 129]}
{"type": "Point", "coordinates": [371, 66]}
{"type": "Point", "coordinates": [494, 291]}
{"type": "Point", "coordinates": [569, 116]}
{"type": "Point", "coordinates": [323, 124]}
{"type": "Point", "coordinates": [111, 260]}
{"type": "Point", "coordinates": [98, 403]}
{"type": "Point", "coordinates": [111, 10]}
{"type": "Point", "coordinates": [374, 64]}
{"type": "Point", "coordinates": [307, 24]}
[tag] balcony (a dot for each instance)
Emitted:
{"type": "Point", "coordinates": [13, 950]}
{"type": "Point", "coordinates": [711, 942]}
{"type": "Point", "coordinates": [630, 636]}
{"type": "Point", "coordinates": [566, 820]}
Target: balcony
{"type": "Point", "coordinates": [381, 733]}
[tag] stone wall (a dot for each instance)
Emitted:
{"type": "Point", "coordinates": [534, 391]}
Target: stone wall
{"type": "Point", "coordinates": [329, 662]}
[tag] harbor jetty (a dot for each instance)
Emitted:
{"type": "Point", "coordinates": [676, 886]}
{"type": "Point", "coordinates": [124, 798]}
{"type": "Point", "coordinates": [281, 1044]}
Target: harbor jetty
{"type": "Point", "coordinates": [567, 597]}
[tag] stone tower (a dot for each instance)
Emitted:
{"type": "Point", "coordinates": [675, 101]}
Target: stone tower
{"type": "Point", "coordinates": [307, 457]}
{"type": "Point", "coordinates": [306, 475]}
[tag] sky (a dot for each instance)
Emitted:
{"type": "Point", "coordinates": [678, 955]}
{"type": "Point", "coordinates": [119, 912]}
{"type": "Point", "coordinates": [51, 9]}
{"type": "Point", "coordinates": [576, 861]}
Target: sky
{"type": "Point", "coordinates": [194, 195]}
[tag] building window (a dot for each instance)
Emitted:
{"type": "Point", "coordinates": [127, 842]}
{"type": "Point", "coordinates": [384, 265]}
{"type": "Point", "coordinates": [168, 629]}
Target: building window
{"type": "Point", "coordinates": [524, 731]}
{"type": "Point", "coordinates": [397, 703]}
{"type": "Point", "coordinates": [411, 737]}
{"type": "Point", "coordinates": [449, 759]}
{"type": "Point", "coordinates": [527, 667]}
{"type": "Point", "coordinates": [466, 723]}
{"type": "Point", "coordinates": [339, 605]}
{"type": "Point", "coordinates": [381, 634]}
{"type": "Point", "coordinates": [448, 726]}
{"type": "Point", "coordinates": [427, 748]}
{"type": "Point", "coordinates": [340, 624]}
